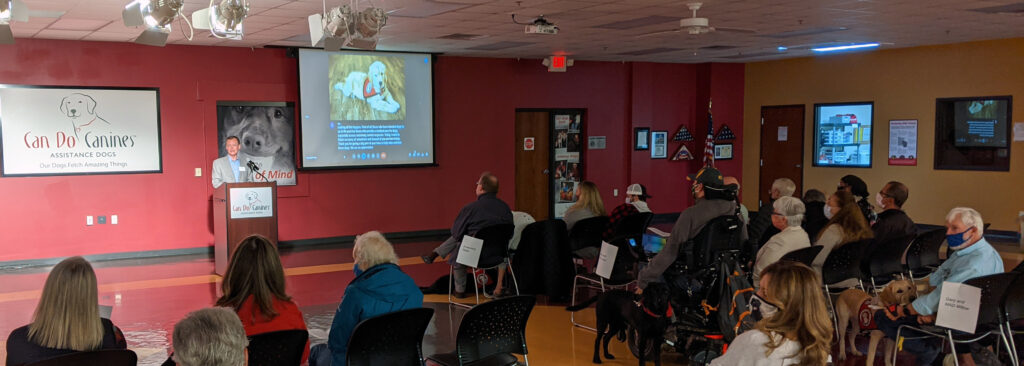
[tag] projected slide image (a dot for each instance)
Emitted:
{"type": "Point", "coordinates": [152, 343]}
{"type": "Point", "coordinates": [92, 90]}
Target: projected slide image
{"type": "Point", "coordinates": [367, 88]}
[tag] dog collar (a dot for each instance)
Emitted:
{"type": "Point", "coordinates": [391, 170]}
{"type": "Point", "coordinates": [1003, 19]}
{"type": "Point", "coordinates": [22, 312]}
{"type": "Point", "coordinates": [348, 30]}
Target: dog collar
{"type": "Point", "coordinates": [668, 313]}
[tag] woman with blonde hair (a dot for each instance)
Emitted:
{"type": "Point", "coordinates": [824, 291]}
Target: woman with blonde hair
{"type": "Point", "coordinates": [846, 224]}
{"type": "Point", "coordinates": [795, 328]}
{"type": "Point", "coordinates": [66, 319]}
{"type": "Point", "coordinates": [588, 204]}
{"type": "Point", "coordinates": [254, 287]}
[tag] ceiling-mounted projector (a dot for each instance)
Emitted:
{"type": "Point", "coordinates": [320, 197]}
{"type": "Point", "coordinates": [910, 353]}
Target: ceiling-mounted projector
{"type": "Point", "coordinates": [539, 26]}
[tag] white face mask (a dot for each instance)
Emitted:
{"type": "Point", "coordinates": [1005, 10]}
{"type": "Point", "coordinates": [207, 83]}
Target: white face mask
{"type": "Point", "coordinates": [828, 212]}
{"type": "Point", "coordinates": [628, 201]}
{"type": "Point", "coordinates": [759, 305]}
{"type": "Point", "coordinates": [878, 199]}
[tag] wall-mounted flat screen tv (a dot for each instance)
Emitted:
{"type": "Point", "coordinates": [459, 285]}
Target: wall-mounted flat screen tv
{"type": "Point", "coordinates": [842, 134]}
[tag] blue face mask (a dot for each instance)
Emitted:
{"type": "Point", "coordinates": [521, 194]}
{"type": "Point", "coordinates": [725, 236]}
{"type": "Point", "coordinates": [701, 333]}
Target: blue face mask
{"type": "Point", "coordinates": [357, 270]}
{"type": "Point", "coordinates": [956, 241]}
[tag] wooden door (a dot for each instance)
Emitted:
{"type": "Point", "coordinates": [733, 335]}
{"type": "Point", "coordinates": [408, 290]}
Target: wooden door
{"type": "Point", "coordinates": [533, 166]}
{"type": "Point", "coordinates": [782, 148]}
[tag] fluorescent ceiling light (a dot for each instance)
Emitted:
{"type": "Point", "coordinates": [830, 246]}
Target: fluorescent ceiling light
{"type": "Point", "coordinates": [846, 47]}
{"type": "Point", "coordinates": [224, 20]}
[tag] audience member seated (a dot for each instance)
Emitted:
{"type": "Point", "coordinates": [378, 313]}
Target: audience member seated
{"type": "Point", "coordinates": [795, 328]}
{"type": "Point", "coordinates": [588, 204]}
{"type": "Point", "coordinates": [254, 287]}
{"type": "Point", "coordinates": [760, 229]}
{"type": "Point", "coordinates": [788, 214]}
{"type": "Point", "coordinates": [814, 219]}
{"type": "Point", "coordinates": [636, 202]}
{"type": "Point", "coordinates": [859, 189]}
{"type": "Point", "coordinates": [487, 210]}
{"type": "Point", "coordinates": [210, 337]}
{"type": "Point", "coordinates": [974, 257]}
{"type": "Point", "coordinates": [380, 287]}
{"type": "Point", "coordinates": [893, 223]}
{"type": "Point", "coordinates": [846, 224]}
{"type": "Point", "coordinates": [689, 224]}
{"type": "Point", "coordinates": [744, 212]}
{"type": "Point", "coordinates": [66, 319]}
{"type": "Point", "coordinates": [520, 220]}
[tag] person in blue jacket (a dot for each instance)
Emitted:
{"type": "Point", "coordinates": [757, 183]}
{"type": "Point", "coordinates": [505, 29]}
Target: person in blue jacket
{"type": "Point", "coordinates": [379, 289]}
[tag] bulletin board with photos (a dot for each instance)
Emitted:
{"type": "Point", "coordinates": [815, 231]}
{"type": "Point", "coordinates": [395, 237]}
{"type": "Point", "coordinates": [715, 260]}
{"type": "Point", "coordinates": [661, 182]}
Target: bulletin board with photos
{"type": "Point", "coordinates": [567, 153]}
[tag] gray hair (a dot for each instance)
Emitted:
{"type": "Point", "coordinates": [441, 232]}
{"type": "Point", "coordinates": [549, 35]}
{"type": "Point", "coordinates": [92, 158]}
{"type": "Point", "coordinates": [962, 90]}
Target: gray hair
{"type": "Point", "coordinates": [372, 249]}
{"type": "Point", "coordinates": [969, 217]}
{"type": "Point", "coordinates": [791, 208]}
{"type": "Point", "coordinates": [785, 186]}
{"type": "Point", "coordinates": [210, 337]}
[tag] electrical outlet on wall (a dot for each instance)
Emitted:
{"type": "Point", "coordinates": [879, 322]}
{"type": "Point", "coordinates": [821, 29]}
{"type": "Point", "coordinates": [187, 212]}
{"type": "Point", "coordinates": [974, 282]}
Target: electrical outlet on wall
{"type": "Point", "coordinates": [102, 220]}
{"type": "Point", "coordinates": [88, 220]}
{"type": "Point", "coordinates": [615, 192]}
{"type": "Point", "coordinates": [113, 219]}
{"type": "Point", "coordinates": [199, 172]}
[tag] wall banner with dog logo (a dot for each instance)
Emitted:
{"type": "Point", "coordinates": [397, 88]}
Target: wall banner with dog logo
{"type": "Point", "coordinates": [78, 130]}
{"type": "Point", "coordinates": [958, 307]}
{"type": "Point", "coordinates": [266, 135]}
{"type": "Point", "coordinates": [251, 202]}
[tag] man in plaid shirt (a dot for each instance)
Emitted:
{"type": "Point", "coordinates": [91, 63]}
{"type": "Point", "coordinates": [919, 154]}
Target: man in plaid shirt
{"type": "Point", "coordinates": [636, 202]}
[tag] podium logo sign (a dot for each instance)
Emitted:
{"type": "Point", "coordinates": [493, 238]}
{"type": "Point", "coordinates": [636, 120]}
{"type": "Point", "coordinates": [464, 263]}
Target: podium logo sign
{"type": "Point", "coordinates": [247, 203]}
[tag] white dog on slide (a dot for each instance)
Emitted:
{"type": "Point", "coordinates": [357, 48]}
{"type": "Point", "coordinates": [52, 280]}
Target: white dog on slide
{"type": "Point", "coordinates": [370, 87]}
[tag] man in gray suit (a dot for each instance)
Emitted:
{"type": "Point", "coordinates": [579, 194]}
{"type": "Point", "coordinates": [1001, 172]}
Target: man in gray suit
{"type": "Point", "coordinates": [230, 168]}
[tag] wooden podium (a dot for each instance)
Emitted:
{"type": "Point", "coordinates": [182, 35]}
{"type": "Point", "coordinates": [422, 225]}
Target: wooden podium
{"type": "Point", "coordinates": [240, 210]}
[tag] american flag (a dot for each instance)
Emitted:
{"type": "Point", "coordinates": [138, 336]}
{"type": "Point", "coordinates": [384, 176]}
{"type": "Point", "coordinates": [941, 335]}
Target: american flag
{"type": "Point", "coordinates": [709, 144]}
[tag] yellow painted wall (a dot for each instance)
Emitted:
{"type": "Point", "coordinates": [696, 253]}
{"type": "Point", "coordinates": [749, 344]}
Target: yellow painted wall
{"type": "Point", "coordinates": [904, 84]}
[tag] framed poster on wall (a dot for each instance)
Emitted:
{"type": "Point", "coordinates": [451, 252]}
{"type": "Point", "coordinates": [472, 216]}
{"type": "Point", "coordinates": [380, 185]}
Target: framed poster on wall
{"type": "Point", "coordinates": [659, 144]}
{"type": "Point", "coordinates": [56, 130]}
{"type": "Point", "coordinates": [903, 142]}
{"type": "Point", "coordinates": [842, 134]}
{"type": "Point", "coordinates": [568, 159]}
{"type": "Point", "coordinates": [265, 132]}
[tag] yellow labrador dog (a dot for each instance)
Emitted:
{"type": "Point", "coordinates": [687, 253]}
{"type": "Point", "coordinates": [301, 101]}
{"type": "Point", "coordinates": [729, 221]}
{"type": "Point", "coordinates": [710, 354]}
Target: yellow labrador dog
{"type": "Point", "coordinates": [857, 308]}
{"type": "Point", "coordinates": [370, 87]}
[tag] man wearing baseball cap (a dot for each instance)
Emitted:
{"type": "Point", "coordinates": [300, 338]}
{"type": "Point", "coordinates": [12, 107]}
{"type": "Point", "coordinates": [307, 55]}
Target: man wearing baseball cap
{"type": "Point", "coordinates": [636, 202]}
{"type": "Point", "coordinates": [690, 222]}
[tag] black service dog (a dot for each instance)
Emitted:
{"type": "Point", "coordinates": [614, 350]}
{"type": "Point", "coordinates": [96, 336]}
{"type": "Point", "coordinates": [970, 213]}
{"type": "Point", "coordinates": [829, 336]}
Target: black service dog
{"type": "Point", "coordinates": [619, 311]}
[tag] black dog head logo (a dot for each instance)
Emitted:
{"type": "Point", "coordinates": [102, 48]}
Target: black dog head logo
{"type": "Point", "coordinates": [77, 105]}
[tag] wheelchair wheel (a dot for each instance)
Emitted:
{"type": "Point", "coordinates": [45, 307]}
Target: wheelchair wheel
{"type": "Point", "coordinates": [633, 339]}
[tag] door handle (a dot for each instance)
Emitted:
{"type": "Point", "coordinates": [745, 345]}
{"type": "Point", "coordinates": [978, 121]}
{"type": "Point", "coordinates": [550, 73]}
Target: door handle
{"type": "Point", "coordinates": [798, 165]}
{"type": "Point", "coordinates": [546, 171]}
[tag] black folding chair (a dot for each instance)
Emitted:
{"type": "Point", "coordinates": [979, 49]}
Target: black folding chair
{"type": "Point", "coordinates": [280, 348]}
{"type": "Point", "coordinates": [842, 264]}
{"type": "Point", "coordinates": [493, 254]}
{"type": "Point", "coordinates": [803, 255]}
{"type": "Point", "coordinates": [923, 254]}
{"type": "Point", "coordinates": [1012, 310]}
{"type": "Point", "coordinates": [620, 278]}
{"type": "Point", "coordinates": [632, 225]}
{"type": "Point", "coordinates": [490, 333]}
{"type": "Point", "coordinates": [886, 262]}
{"type": "Point", "coordinates": [107, 357]}
{"type": "Point", "coordinates": [993, 291]}
{"type": "Point", "coordinates": [588, 233]}
{"type": "Point", "coordinates": [390, 339]}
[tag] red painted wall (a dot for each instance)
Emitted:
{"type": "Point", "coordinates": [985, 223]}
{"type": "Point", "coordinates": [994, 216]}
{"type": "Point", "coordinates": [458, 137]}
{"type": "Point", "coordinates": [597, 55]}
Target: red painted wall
{"type": "Point", "coordinates": [475, 104]}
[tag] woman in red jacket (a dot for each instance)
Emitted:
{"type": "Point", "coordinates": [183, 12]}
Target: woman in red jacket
{"type": "Point", "coordinates": [254, 287]}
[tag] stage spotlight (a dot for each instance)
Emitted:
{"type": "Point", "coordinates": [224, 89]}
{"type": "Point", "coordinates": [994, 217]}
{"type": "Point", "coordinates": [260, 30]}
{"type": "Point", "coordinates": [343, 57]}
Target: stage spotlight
{"type": "Point", "coordinates": [224, 20]}
{"type": "Point", "coordinates": [156, 15]}
{"type": "Point", "coordinates": [342, 27]}
{"type": "Point", "coordinates": [10, 11]}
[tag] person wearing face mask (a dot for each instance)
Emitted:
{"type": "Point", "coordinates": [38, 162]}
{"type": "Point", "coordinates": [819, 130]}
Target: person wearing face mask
{"type": "Point", "coordinates": [794, 329]}
{"type": "Point", "coordinates": [636, 202]}
{"type": "Point", "coordinates": [689, 224]}
{"type": "Point", "coordinates": [845, 225]}
{"type": "Point", "coordinates": [787, 216]}
{"type": "Point", "coordinates": [856, 186]}
{"type": "Point", "coordinates": [974, 257]}
{"type": "Point", "coordinates": [380, 287]}
{"type": "Point", "coordinates": [760, 228]}
{"type": "Point", "coordinates": [892, 222]}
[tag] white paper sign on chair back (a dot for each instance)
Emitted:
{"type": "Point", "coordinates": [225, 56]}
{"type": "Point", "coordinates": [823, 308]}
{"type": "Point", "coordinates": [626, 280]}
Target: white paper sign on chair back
{"type": "Point", "coordinates": [469, 251]}
{"type": "Point", "coordinates": [958, 307]}
{"type": "Point", "coordinates": [606, 261]}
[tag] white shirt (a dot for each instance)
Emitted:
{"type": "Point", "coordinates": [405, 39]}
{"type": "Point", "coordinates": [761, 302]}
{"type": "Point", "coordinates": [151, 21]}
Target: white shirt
{"type": "Point", "coordinates": [788, 240]}
{"type": "Point", "coordinates": [749, 350]}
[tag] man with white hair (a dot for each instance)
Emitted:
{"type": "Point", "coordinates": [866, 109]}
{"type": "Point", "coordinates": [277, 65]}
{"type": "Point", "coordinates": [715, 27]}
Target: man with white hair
{"type": "Point", "coordinates": [210, 337]}
{"type": "Point", "coordinates": [787, 216]}
{"type": "Point", "coordinates": [973, 257]}
{"type": "Point", "coordinates": [760, 228]}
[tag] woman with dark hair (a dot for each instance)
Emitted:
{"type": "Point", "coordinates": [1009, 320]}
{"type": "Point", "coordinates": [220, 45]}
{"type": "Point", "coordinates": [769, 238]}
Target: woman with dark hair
{"type": "Point", "coordinates": [795, 328]}
{"type": "Point", "coordinates": [66, 320]}
{"type": "Point", "coordinates": [254, 287]}
{"type": "Point", "coordinates": [856, 186]}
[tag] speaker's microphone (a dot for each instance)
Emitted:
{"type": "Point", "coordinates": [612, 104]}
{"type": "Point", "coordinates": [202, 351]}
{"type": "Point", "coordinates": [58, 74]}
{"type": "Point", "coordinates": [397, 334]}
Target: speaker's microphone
{"type": "Point", "coordinates": [252, 165]}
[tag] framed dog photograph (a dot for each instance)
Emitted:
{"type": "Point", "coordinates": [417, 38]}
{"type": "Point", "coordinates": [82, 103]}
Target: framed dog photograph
{"type": "Point", "coordinates": [266, 136]}
{"type": "Point", "coordinates": [640, 141]}
{"type": "Point", "coordinates": [723, 151]}
{"type": "Point", "coordinates": [659, 144]}
{"type": "Point", "coordinates": [59, 130]}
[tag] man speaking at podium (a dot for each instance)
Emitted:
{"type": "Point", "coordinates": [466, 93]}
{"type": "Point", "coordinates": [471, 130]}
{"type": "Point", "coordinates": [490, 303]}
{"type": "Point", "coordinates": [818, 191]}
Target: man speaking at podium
{"type": "Point", "coordinates": [231, 168]}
